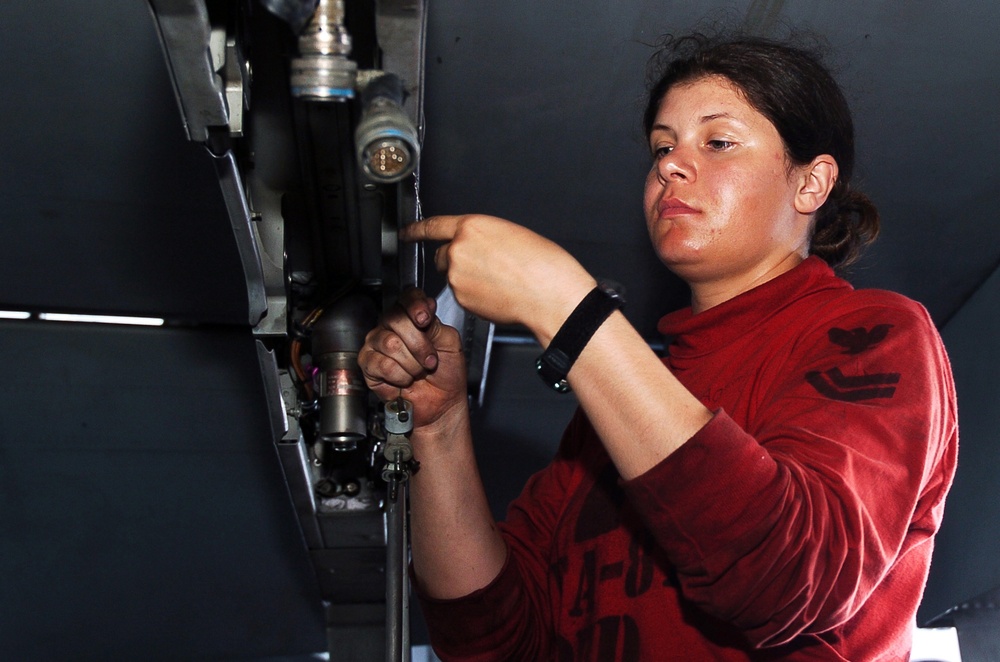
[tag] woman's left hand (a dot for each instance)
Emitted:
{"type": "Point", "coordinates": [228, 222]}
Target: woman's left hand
{"type": "Point", "coordinates": [504, 272]}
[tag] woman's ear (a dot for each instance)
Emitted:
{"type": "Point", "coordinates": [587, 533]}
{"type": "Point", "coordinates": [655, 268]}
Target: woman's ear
{"type": "Point", "coordinates": [815, 183]}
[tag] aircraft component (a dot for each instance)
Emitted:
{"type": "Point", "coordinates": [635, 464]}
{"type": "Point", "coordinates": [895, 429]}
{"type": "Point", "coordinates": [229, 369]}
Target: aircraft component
{"type": "Point", "coordinates": [323, 72]}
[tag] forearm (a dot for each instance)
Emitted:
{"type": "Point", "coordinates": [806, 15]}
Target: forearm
{"type": "Point", "coordinates": [456, 546]}
{"type": "Point", "coordinates": [638, 408]}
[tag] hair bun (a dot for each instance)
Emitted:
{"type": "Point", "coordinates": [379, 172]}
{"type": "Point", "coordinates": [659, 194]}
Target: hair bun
{"type": "Point", "coordinates": [845, 225]}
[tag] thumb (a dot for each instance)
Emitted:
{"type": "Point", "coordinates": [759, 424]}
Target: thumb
{"type": "Point", "coordinates": [443, 337]}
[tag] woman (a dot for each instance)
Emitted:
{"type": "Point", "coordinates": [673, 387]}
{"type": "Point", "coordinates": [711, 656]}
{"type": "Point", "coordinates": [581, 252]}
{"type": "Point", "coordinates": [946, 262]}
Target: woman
{"type": "Point", "coordinates": [771, 489]}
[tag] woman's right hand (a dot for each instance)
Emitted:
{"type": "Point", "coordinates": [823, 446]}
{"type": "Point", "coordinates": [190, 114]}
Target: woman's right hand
{"type": "Point", "coordinates": [413, 354]}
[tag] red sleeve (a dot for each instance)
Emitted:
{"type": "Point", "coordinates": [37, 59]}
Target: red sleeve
{"type": "Point", "coordinates": [788, 525]}
{"type": "Point", "coordinates": [510, 619]}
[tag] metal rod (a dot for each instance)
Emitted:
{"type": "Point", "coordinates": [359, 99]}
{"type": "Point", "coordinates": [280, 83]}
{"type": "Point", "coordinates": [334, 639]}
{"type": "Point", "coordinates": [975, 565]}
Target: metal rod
{"type": "Point", "coordinates": [397, 635]}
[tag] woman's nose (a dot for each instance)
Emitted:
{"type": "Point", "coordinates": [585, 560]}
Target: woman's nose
{"type": "Point", "coordinates": [675, 165]}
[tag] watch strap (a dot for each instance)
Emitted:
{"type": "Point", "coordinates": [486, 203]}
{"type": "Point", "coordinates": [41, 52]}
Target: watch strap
{"type": "Point", "coordinates": [555, 362]}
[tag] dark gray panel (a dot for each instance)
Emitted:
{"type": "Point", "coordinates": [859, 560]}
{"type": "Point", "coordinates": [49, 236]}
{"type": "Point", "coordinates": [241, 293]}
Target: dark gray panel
{"type": "Point", "coordinates": [965, 557]}
{"type": "Point", "coordinates": [144, 512]}
{"type": "Point", "coordinates": [107, 207]}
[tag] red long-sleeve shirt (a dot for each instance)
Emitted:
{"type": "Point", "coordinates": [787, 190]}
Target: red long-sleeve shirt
{"type": "Point", "coordinates": [797, 524]}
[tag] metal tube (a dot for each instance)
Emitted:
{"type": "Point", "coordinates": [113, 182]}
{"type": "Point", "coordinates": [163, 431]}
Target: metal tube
{"type": "Point", "coordinates": [337, 336]}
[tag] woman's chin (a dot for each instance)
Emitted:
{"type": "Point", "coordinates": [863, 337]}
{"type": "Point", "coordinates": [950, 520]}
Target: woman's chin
{"type": "Point", "coordinates": [682, 258]}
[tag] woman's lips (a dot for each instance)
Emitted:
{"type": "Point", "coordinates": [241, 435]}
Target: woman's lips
{"type": "Point", "coordinates": [675, 207]}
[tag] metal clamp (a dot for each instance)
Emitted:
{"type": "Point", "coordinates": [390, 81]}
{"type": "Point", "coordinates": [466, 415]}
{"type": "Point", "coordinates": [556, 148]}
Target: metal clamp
{"type": "Point", "coordinates": [397, 449]}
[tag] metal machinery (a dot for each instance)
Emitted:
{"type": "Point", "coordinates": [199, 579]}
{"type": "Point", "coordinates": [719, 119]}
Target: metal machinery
{"type": "Point", "coordinates": [311, 112]}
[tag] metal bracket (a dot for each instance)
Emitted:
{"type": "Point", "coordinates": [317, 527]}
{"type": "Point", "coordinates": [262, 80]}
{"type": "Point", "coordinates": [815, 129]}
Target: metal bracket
{"type": "Point", "coordinates": [185, 35]}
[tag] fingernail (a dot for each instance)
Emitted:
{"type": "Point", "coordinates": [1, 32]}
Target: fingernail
{"type": "Point", "coordinates": [422, 318]}
{"type": "Point", "coordinates": [431, 362]}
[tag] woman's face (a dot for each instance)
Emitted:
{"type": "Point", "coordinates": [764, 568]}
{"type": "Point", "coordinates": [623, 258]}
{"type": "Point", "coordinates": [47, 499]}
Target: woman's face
{"type": "Point", "coordinates": [720, 198]}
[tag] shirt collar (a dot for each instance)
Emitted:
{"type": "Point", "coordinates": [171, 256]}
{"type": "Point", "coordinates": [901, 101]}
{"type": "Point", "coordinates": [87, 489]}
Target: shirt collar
{"type": "Point", "coordinates": [693, 335]}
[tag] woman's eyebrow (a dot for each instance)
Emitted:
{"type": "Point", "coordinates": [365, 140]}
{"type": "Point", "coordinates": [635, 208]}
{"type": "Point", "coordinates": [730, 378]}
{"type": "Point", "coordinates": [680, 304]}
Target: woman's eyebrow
{"type": "Point", "coordinates": [660, 127]}
{"type": "Point", "coordinates": [716, 116]}
{"type": "Point", "coordinates": [705, 119]}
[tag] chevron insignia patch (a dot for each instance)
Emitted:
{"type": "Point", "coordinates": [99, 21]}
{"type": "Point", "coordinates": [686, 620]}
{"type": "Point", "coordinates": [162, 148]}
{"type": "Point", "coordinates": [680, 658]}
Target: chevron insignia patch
{"type": "Point", "coordinates": [835, 385]}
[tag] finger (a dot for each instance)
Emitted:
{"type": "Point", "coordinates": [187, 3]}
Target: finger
{"type": "Point", "coordinates": [384, 377]}
{"type": "Point", "coordinates": [433, 228]}
{"type": "Point", "coordinates": [446, 339]}
{"type": "Point", "coordinates": [409, 353]}
{"type": "Point", "coordinates": [383, 374]}
{"type": "Point", "coordinates": [413, 347]}
{"type": "Point", "coordinates": [419, 307]}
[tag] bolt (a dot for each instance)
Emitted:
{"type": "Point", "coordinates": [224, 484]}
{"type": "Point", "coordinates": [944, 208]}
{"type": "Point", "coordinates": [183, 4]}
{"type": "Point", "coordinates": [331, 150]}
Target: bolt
{"type": "Point", "coordinates": [327, 488]}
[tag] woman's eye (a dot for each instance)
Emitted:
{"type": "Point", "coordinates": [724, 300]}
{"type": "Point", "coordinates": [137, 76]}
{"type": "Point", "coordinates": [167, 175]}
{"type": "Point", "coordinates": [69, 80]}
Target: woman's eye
{"type": "Point", "coordinates": [720, 145]}
{"type": "Point", "coordinates": [661, 151]}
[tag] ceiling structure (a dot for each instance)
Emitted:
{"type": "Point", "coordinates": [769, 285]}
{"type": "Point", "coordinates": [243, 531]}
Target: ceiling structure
{"type": "Point", "coordinates": [532, 114]}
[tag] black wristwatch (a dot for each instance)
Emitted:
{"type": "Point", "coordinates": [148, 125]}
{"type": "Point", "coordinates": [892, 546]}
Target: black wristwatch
{"type": "Point", "coordinates": [557, 359]}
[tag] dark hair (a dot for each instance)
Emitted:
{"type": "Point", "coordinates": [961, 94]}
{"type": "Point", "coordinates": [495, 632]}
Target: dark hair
{"type": "Point", "coordinates": [791, 88]}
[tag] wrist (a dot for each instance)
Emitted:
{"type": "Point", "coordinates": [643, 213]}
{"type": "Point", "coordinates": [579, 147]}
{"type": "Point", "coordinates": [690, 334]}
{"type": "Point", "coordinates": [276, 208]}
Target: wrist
{"type": "Point", "coordinates": [551, 318]}
{"type": "Point", "coordinates": [440, 433]}
{"type": "Point", "coordinates": [556, 361]}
